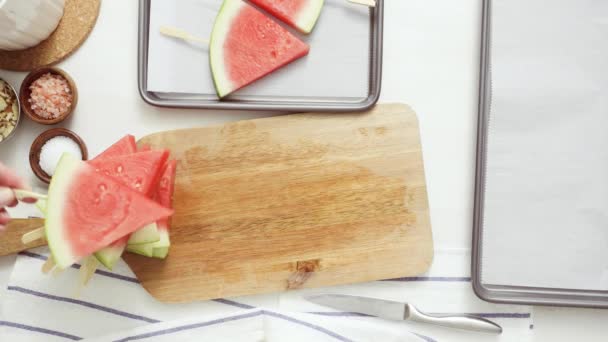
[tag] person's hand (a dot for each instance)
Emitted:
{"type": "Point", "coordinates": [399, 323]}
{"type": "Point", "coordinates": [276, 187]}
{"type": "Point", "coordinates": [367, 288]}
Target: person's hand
{"type": "Point", "coordinates": [8, 181]}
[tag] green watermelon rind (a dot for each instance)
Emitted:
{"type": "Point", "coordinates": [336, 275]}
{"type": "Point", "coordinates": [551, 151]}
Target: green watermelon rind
{"type": "Point", "coordinates": [109, 256]}
{"type": "Point", "coordinates": [41, 205]}
{"type": "Point", "coordinates": [229, 10]}
{"type": "Point", "coordinates": [158, 249]}
{"type": "Point", "coordinates": [308, 18]}
{"type": "Point", "coordinates": [64, 176]}
{"type": "Point", "coordinates": [147, 234]}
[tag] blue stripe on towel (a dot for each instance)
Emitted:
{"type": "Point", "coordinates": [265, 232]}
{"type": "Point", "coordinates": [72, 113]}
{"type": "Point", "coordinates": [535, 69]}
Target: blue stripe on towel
{"type": "Point", "coordinates": [189, 327]}
{"type": "Point", "coordinates": [39, 330]}
{"type": "Point", "coordinates": [77, 266]}
{"type": "Point", "coordinates": [82, 303]}
{"type": "Point", "coordinates": [231, 319]}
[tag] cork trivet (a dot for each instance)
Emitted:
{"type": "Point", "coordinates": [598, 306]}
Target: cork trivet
{"type": "Point", "coordinates": [78, 20]}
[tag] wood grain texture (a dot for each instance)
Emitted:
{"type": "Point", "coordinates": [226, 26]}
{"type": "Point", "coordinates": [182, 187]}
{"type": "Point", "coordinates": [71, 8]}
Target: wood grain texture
{"type": "Point", "coordinates": [10, 239]}
{"type": "Point", "coordinates": [290, 202]}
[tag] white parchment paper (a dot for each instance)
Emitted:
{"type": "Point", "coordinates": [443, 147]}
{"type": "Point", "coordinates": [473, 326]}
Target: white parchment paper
{"type": "Point", "coordinates": [336, 67]}
{"type": "Point", "coordinates": [546, 209]}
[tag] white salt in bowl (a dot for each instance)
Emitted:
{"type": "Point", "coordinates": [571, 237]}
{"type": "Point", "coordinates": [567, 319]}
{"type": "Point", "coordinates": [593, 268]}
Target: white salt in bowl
{"type": "Point", "coordinates": [42, 139]}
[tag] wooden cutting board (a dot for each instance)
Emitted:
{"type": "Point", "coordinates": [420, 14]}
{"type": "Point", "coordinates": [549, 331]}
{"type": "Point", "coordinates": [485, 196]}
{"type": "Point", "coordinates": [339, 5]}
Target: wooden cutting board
{"type": "Point", "coordinates": [290, 202]}
{"type": "Point", "coordinates": [10, 240]}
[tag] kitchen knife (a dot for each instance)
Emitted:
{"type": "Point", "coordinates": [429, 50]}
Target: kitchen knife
{"type": "Point", "coordinates": [402, 311]}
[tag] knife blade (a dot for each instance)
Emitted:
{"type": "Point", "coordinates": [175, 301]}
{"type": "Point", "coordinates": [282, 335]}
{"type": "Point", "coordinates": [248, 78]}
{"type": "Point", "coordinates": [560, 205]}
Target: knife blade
{"type": "Point", "coordinates": [398, 311]}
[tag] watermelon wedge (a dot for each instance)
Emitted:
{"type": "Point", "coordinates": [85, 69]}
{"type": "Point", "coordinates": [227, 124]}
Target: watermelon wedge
{"type": "Point", "coordinates": [300, 14]}
{"type": "Point", "coordinates": [141, 172]}
{"type": "Point", "coordinates": [164, 196]}
{"type": "Point", "coordinates": [122, 147]}
{"type": "Point", "coordinates": [125, 146]}
{"type": "Point", "coordinates": [87, 211]}
{"type": "Point", "coordinates": [246, 45]}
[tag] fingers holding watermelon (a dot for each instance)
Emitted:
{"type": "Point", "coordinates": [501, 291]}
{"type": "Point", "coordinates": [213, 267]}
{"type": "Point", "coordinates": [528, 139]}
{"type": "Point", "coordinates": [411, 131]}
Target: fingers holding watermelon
{"type": "Point", "coordinates": [9, 180]}
{"type": "Point", "coordinates": [4, 218]}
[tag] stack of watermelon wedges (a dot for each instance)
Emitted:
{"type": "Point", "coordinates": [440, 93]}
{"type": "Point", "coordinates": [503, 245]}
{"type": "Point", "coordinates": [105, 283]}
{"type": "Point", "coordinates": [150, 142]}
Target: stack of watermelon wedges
{"type": "Point", "coordinates": [247, 45]}
{"type": "Point", "coordinates": [121, 200]}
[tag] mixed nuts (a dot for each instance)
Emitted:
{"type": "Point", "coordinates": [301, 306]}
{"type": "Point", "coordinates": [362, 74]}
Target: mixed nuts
{"type": "Point", "coordinates": [9, 110]}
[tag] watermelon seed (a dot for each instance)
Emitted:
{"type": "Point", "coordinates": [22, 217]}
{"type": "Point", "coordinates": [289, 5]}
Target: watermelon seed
{"type": "Point", "coordinates": [119, 169]}
{"type": "Point", "coordinates": [103, 187]}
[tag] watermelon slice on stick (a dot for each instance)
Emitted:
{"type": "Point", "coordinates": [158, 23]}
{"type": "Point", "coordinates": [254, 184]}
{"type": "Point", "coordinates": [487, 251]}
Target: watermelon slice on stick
{"type": "Point", "coordinates": [122, 147]}
{"type": "Point", "coordinates": [246, 45]}
{"type": "Point", "coordinates": [87, 211]}
{"type": "Point", "coordinates": [300, 14]}
{"type": "Point", "coordinates": [164, 195]}
{"type": "Point", "coordinates": [141, 172]}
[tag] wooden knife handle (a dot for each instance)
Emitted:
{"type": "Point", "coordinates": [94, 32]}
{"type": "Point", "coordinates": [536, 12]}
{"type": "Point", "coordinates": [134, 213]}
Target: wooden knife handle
{"type": "Point", "coordinates": [10, 239]}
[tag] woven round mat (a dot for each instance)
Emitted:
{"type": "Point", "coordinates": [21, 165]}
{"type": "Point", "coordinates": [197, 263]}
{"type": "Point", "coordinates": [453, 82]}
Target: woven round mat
{"type": "Point", "coordinates": [78, 20]}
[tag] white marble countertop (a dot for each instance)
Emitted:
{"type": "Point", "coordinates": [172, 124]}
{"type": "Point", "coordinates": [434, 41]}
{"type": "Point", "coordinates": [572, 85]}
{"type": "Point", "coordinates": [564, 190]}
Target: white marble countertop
{"type": "Point", "coordinates": [431, 63]}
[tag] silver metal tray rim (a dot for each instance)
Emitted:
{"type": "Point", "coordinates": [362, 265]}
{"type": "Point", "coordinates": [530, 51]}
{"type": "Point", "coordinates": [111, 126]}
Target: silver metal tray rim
{"type": "Point", "coordinates": [499, 293]}
{"type": "Point", "coordinates": [292, 106]}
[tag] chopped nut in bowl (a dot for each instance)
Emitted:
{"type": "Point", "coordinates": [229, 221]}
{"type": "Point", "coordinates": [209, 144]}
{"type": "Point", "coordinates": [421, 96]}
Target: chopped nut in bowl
{"type": "Point", "coordinates": [10, 110]}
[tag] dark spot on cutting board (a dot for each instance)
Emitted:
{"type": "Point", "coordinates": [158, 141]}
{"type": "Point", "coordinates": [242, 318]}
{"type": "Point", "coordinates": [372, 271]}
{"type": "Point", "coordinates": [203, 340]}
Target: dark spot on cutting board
{"type": "Point", "coordinates": [304, 270]}
{"type": "Point", "coordinates": [381, 130]}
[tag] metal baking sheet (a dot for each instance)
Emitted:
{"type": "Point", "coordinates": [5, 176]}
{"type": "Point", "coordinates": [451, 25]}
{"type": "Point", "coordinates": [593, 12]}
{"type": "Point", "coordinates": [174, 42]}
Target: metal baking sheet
{"type": "Point", "coordinates": [583, 293]}
{"type": "Point", "coordinates": [294, 87]}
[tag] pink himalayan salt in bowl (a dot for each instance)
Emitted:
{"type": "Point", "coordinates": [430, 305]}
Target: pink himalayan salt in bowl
{"type": "Point", "coordinates": [48, 95]}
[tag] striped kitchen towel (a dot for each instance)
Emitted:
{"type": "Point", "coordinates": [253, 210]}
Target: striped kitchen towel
{"type": "Point", "coordinates": [258, 325]}
{"type": "Point", "coordinates": [38, 307]}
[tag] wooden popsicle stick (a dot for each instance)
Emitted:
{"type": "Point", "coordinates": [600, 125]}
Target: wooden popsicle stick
{"type": "Point", "coordinates": [48, 265]}
{"type": "Point", "coordinates": [32, 236]}
{"type": "Point", "coordinates": [181, 34]}
{"type": "Point", "coordinates": [88, 268]}
{"type": "Point", "coordinates": [368, 3]}
{"type": "Point", "coordinates": [23, 194]}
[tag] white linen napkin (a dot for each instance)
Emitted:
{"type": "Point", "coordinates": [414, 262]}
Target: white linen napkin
{"type": "Point", "coordinates": [38, 307]}
{"type": "Point", "coordinates": [260, 325]}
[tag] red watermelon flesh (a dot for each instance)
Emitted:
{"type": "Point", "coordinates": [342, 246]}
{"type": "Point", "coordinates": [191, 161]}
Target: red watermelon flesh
{"type": "Point", "coordinates": [301, 14]}
{"type": "Point", "coordinates": [87, 211]}
{"type": "Point", "coordinates": [164, 192]}
{"type": "Point", "coordinates": [164, 196]}
{"type": "Point", "coordinates": [144, 148]}
{"type": "Point", "coordinates": [140, 171]}
{"type": "Point", "coordinates": [246, 45]}
{"type": "Point", "coordinates": [166, 185]}
{"type": "Point", "coordinates": [122, 147]}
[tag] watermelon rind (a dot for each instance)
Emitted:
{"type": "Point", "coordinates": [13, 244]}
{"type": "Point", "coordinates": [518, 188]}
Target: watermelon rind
{"type": "Point", "coordinates": [146, 250]}
{"type": "Point", "coordinates": [228, 12]}
{"type": "Point", "coordinates": [67, 170]}
{"type": "Point", "coordinates": [109, 256]}
{"type": "Point", "coordinates": [308, 17]}
{"type": "Point", "coordinates": [147, 234]}
{"type": "Point", "coordinates": [158, 249]}
{"type": "Point", "coordinates": [41, 205]}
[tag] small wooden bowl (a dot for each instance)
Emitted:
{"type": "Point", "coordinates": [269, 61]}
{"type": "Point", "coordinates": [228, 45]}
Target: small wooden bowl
{"type": "Point", "coordinates": [25, 92]}
{"type": "Point", "coordinates": [42, 139]}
